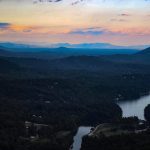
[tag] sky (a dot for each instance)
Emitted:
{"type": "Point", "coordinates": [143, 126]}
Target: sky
{"type": "Point", "coordinates": [119, 22]}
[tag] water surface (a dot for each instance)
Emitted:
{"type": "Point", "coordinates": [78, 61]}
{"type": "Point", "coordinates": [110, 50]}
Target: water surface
{"type": "Point", "coordinates": [129, 108]}
{"type": "Point", "coordinates": [135, 107]}
{"type": "Point", "coordinates": [82, 131]}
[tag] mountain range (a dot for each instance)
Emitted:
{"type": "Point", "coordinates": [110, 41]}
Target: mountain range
{"type": "Point", "coordinates": [106, 64]}
{"type": "Point", "coordinates": [68, 45]}
{"type": "Point", "coordinates": [65, 91]}
{"type": "Point", "coordinates": [27, 51]}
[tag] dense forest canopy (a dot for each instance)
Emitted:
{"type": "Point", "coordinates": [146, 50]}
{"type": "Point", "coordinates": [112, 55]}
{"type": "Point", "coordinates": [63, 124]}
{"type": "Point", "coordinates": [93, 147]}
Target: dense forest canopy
{"type": "Point", "coordinates": [147, 113]}
{"type": "Point", "coordinates": [42, 102]}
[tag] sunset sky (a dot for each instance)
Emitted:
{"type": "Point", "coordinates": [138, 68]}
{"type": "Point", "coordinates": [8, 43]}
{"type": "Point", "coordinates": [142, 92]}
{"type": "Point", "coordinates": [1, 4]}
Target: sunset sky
{"type": "Point", "coordinates": [120, 22]}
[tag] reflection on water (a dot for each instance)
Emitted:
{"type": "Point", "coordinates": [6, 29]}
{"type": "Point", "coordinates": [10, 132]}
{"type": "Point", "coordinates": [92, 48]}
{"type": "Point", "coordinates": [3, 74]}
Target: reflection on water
{"type": "Point", "coordinates": [135, 108]}
{"type": "Point", "coordinates": [78, 137]}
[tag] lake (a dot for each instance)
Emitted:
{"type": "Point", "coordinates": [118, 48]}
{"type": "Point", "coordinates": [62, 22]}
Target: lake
{"type": "Point", "coordinates": [135, 107]}
{"type": "Point", "coordinates": [129, 108]}
{"type": "Point", "coordinates": [82, 131]}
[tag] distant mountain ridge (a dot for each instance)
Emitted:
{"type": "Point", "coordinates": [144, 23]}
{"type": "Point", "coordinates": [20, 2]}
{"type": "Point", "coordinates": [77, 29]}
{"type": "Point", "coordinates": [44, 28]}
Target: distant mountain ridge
{"type": "Point", "coordinates": [16, 45]}
{"type": "Point", "coordinates": [48, 62]}
{"type": "Point", "coordinates": [63, 52]}
{"type": "Point", "coordinates": [145, 51]}
{"type": "Point", "coordinates": [53, 53]}
{"type": "Point", "coordinates": [68, 45]}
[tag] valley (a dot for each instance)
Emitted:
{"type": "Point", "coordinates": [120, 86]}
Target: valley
{"type": "Point", "coordinates": [62, 94]}
{"type": "Point", "coordinates": [74, 74]}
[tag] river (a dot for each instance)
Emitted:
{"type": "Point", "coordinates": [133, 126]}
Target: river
{"type": "Point", "coordinates": [135, 107]}
{"type": "Point", "coordinates": [82, 131]}
{"type": "Point", "coordinates": [129, 108]}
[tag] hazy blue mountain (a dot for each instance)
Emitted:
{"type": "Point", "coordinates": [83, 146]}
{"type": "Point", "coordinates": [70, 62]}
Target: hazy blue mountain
{"type": "Point", "coordinates": [88, 45]}
{"type": "Point", "coordinates": [53, 53]}
{"type": "Point", "coordinates": [67, 45]}
{"type": "Point", "coordinates": [98, 46]}
{"type": "Point", "coordinates": [106, 64]}
{"type": "Point", "coordinates": [145, 51]}
{"type": "Point", "coordinates": [15, 45]}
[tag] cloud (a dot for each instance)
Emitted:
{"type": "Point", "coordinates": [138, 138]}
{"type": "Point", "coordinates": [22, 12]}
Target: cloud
{"type": "Point", "coordinates": [73, 2]}
{"type": "Point", "coordinates": [8, 27]}
{"type": "Point", "coordinates": [77, 1]}
{"type": "Point", "coordinates": [125, 15]}
{"type": "Point", "coordinates": [89, 31]}
{"type": "Point", "coordinates": [118, 20]}
{"type": "Point", "coordinates": [27, 30]}
{"type": "Point", "coordinates": [97, 31]}
{"type": "Point", "coordinates": [4, 25]}
{"type": "Point", "coordinates": [45, 1]}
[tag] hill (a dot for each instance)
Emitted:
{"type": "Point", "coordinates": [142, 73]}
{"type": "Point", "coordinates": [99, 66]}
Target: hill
{"type": "Point", "coordinates": [68, 45]}
{"type": "Point", "coordinates": [53, 53]}
{"type": "Point", "coordinates": [8, 66]}
{"type": "Point", "coordinates": [76, 90]}
{"type": "Point", "coordinates": [145, 51]}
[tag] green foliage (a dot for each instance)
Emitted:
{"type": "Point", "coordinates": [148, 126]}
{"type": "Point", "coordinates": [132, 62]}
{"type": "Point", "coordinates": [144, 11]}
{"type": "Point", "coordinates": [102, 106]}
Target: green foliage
{"type": "Point", "coordinates": [123, 142]}
{"type": "Point", "coordinates": [64, 94]}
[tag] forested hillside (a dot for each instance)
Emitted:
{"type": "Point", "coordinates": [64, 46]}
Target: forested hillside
{"type": "Point", "coordinates": [42, 102]}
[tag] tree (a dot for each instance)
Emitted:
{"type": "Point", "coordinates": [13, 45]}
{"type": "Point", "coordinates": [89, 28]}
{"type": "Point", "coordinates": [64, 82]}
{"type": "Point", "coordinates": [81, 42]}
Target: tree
{"type": "Point", "coordinates": [147, 113]}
